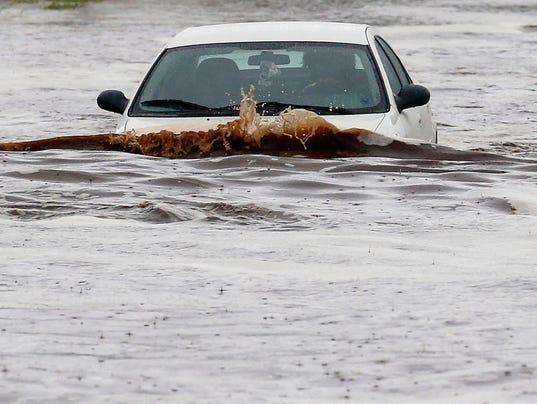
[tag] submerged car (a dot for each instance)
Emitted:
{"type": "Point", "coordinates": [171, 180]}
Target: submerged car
{"type": "Point", "coordinates": [346, 73]}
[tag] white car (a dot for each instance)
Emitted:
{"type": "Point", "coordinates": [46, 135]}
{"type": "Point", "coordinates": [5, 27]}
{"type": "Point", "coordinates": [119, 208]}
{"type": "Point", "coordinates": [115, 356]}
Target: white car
{"type": "Point", "coordinates": [346, 73]}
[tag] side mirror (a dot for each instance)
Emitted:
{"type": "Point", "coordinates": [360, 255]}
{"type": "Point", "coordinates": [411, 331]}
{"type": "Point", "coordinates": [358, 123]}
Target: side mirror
{"type": "Point", "coordinates": [412, 95]}
{"type": "Point", "coordinates": [113, 101]}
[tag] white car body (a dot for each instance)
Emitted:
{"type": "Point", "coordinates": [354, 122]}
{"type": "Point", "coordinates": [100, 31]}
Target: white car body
{"type": "Point", "coordinates": [411, 123]}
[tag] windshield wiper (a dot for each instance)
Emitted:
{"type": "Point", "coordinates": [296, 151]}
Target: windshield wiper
{"type": "Point", "coordinates": [277, 106]}
{"type": "Point", "coordinates": [178, 105]}
{"type": "Point", "coordinates": [174, 104]}
{"type": "Point", "coordinates": [272, 106]}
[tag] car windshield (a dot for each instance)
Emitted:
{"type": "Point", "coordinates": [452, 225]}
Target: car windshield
{"type": "Point", "coordinates": [206, 80]}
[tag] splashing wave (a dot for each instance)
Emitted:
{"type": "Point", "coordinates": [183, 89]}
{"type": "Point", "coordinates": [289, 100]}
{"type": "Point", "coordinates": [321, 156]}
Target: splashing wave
{"type": "Point", "coordinates": [293, 133]}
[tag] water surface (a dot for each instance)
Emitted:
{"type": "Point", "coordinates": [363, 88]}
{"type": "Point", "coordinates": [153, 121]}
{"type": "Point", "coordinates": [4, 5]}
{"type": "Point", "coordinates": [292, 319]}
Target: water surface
{"type": "Point", "coordinates": [257, 278]}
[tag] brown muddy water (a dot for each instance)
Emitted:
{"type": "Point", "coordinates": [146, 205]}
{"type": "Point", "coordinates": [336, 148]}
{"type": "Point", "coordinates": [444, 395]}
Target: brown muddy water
{"type": "Point", "coordinates": [407, 275]}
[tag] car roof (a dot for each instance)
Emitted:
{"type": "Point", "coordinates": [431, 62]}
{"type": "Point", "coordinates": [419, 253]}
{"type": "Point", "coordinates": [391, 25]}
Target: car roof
{"type": "Point", "coordinates": [272, 31]}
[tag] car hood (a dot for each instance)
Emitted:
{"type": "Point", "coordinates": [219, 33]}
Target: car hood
{"type": "Point", "coordinates": [147, 125]}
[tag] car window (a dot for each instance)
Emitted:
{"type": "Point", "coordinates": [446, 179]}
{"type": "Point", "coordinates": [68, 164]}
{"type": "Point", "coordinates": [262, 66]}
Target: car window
{"type": "Point", "coordinates": [207, 79]}
{"type": "Point", "coordinates": [397, 74]}
{"type": "Point", "coordinates": [396, 61]}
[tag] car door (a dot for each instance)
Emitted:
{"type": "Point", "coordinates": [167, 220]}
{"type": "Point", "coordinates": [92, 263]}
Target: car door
{"type": "Point", "coordinates": [412, 122]}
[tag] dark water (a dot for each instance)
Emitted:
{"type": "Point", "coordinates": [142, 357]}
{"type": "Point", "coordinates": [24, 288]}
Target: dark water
{"type": "Point", "coordinates": [405, 275]}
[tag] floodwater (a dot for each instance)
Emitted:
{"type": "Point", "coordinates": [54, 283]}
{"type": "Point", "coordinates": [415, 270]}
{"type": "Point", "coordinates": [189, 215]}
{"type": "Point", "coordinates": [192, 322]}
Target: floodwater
{"type": "Point", "coordinates": [256, 278]}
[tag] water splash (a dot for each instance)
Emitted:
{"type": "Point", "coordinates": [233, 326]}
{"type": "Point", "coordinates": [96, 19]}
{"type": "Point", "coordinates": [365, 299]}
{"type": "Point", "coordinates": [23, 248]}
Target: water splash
{"type": "Point", "coordinates": [295, 132]}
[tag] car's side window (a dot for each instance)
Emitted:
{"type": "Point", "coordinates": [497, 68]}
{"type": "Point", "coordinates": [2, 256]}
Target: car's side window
{"type": "Point", "coordinates": [399, 68]}
{"type": "Point", "coordinates": [397, 74]}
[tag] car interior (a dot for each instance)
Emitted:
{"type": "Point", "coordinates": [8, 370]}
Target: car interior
{"type": "Point", "coordinates": [316, 76]}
